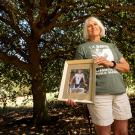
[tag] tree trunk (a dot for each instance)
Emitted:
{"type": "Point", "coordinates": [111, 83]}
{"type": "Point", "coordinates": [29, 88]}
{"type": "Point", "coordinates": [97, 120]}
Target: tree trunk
{"type": "Point", "coordinates": [40, 109]}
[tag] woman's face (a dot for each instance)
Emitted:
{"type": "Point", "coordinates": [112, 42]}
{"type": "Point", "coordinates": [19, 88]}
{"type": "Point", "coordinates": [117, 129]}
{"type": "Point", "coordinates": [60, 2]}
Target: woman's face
{"type": "Point", "coordinates": [93, 29]}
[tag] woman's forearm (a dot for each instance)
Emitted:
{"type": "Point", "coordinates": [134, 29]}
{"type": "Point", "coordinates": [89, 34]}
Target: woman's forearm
{"type": "Point", "coordinates": [122, 67]}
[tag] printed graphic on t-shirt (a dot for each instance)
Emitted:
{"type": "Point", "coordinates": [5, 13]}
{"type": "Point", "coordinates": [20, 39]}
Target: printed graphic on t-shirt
{"type": "Point", "coordinates": [103, 51]}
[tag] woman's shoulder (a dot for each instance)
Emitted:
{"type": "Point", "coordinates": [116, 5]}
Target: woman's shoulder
{"type": "Point", "coordinates": [84, 44]}
{"type": "Point", "coordinates": [104, 42]}
{"type": "Point", "coordinates": [112, 44]}
{"type": "Point", "coordinates": [89, 43]}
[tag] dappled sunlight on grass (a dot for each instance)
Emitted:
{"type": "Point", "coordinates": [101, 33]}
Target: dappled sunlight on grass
{"type": "Point", "coordinates": [68, 121]}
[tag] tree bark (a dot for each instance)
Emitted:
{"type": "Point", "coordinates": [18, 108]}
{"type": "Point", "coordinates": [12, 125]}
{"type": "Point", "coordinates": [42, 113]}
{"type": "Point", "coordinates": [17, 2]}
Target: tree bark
{"type": "Point", "coordinates": [40, 109]}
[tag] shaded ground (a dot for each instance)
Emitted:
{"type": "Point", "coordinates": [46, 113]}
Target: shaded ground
{"type": "Point", "coordinates": [64, 121]}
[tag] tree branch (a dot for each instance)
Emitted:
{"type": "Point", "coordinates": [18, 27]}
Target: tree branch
{"type": "Point", "coordinates": [29, 5]}
{"type": "Point", "coordinates": [10, 10]}
{"type": "Point", "coordinates": [14, 27]}
{"type": "Point", "coordinates": [15, 61]}
{"type": "Point", "coordinates": [43, 8]}
{"type": "Point", "coordinates": [56, 54]}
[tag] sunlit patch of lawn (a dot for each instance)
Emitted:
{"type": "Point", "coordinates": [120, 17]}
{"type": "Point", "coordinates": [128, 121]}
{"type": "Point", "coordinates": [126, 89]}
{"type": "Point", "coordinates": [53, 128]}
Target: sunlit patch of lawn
{"type": "Point", "coordinates": [27, 101]}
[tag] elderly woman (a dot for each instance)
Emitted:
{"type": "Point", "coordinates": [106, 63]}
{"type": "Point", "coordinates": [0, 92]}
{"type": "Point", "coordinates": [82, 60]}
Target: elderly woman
{"type": "Point", "coordinates": [111, 104]}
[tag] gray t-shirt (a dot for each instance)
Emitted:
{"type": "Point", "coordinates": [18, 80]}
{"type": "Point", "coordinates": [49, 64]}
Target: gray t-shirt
{"type": "Point", "coordinates": [108, 80]}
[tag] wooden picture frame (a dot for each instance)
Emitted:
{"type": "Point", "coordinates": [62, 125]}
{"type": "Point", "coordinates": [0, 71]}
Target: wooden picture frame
{"type": "Point", "coordinates": [78, 81]}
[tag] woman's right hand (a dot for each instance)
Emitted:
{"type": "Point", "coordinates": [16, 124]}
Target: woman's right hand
{"type": "Point", "coordinates": [70, 102]}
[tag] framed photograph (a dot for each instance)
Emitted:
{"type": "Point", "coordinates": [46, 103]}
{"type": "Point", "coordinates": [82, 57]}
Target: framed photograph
{"type": "Point", "coordinates": [78, 81]}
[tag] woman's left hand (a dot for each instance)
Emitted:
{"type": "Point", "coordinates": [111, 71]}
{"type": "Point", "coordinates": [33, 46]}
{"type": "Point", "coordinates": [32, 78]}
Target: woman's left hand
{"type": "Point", "coordinates": [102, 61]}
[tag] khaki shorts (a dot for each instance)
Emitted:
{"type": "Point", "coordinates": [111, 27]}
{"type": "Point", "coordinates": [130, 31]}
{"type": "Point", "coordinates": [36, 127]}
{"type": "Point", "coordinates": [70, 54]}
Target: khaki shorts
{"type": "Point", "coordinates": [106, 108]}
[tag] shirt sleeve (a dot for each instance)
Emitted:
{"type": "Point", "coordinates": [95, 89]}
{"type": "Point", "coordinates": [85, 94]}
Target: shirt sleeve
{"type": "Point", "coordinates": [79, 53]}
{"type": "Point", "coordinates": [119, 54]}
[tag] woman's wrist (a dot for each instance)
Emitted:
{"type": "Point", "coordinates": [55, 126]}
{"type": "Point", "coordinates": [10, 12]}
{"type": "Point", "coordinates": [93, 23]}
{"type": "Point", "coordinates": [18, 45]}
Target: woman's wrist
{"type": "Point", "coordinates": [113, 64]}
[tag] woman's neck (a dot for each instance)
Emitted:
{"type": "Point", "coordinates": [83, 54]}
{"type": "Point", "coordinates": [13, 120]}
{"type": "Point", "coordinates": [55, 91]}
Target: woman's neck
{"type": "Point", "coordinates": [95, 39]}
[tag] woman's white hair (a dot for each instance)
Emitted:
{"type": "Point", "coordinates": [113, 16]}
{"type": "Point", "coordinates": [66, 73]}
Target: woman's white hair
{"type": "Point", "coordinates": [99, 23]}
